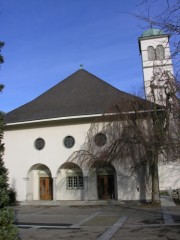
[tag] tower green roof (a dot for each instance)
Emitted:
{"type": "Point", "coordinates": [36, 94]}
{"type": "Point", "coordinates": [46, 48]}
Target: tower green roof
{"type": "Point", "coordinates": [152, 32]}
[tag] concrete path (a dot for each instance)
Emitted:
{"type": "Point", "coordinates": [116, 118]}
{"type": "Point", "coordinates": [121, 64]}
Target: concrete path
{"type": "Point", "coordinates": [101, 222]}
{"type": "Point", "coordinates": [167, 201]}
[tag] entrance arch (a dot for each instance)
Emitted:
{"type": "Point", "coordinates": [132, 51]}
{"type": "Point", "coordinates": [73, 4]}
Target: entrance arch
{"type": "Point", "coordinates": [106, 181]}
{"type": "Point", "coordinates": [40, 184]}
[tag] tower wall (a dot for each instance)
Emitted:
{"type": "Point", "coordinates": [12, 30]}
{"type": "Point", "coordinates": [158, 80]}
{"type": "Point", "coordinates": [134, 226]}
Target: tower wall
{"type": "Point", "coordinates": [157, 66]}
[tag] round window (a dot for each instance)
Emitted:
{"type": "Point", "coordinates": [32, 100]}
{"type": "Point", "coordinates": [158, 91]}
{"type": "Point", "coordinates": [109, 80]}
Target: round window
{"type": "Point", "coordinates": [100, 139]}
{"type": "Point", "coordinates": [39, 143]}
{"type": "Point", "coordinates": [69, 141]}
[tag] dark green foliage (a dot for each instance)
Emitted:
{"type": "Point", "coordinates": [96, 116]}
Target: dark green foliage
{"type": "Point", "coordinates": [12, 197]}
{"type": "Point", "coordinates": [4, 198]}
{"type": "Point", "coordinates": [8, 230]}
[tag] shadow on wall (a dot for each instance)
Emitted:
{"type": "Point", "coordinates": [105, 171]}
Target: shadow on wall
{"type": "Point", "coordinates": [13, 184]}
{"type": "Point", "coordinates": [134, 186]}
{"type": "Point", "coordinates": [12, 193]}
{"type": "Point", "coordinates": [169, 176]}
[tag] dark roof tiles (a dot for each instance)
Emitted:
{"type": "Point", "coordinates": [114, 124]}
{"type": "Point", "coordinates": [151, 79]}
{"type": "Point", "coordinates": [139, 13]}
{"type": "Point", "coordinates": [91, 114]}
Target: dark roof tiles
{"type": "Point", "coordinates": [79, 94]}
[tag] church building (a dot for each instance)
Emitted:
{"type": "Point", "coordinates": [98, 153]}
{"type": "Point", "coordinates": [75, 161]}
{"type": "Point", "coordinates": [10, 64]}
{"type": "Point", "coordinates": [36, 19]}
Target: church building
{"type": "Point", "coordinates": [41, 135]}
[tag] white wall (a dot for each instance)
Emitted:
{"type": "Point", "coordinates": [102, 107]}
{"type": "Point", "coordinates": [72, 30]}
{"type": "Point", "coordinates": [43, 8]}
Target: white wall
{"type": "Point", "coordinates": [169, 175]}
{"type": "Point", "coordinates": [92, 185]}
{"type": "Point", "coordinates": [21, 154]}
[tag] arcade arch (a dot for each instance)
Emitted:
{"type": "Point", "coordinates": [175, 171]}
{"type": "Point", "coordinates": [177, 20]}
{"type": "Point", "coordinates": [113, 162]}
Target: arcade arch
{"type": "Point", "coordinates": [103, 177]}
{"type": "Point", "coordinates": [70, 182]}
{"type": "Point", "coordinates": [39, 184]}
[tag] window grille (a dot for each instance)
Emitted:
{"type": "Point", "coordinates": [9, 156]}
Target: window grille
{"type": "Point", "coordinates": [75, 182]}
{"type": "Point", "coordinates": [81, 182]}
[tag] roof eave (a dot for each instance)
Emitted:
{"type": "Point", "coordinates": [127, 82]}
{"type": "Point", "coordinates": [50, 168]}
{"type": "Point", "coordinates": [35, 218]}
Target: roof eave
{"type": "Point", "coordinates": [53, 119]}
{"type": "Point", "coordinates": [73, 118]}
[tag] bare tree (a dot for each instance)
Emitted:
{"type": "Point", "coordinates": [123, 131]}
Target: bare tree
{"type": "Point", "coordinates": [140, 138]}
{"type": "Point", "coordinates": [141, 134]}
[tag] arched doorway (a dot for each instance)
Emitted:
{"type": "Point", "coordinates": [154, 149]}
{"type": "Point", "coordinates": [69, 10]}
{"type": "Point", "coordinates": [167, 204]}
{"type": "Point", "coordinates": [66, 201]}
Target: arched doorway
{"type": "Point", "coordinates": [106, 181]}
{"type": "Point", "coordinates": [40, 184]}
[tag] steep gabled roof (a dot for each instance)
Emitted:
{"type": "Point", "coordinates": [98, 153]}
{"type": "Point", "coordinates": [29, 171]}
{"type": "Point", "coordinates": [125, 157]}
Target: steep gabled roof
{"type": "Point", "coordinates": [79, 94]}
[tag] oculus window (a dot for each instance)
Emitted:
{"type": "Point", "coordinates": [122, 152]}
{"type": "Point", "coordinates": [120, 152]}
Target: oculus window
{"type": "Point", "coordinates": [100, 139]}
{"type": "Point", "coordinates": [39, 143]}
{"type": "Point", "coordinates": [69, 142]}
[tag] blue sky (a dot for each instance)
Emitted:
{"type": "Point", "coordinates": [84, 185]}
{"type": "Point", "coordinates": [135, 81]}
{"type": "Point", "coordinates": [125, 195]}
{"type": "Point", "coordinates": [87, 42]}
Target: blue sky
{"type": "Point", "coordinates": [47, 40]}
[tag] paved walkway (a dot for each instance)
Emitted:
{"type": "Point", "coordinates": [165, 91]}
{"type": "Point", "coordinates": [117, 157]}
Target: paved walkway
{"type": "Point", "coordinates": [167, 201]}
{"type": "Point", "coordinates": [103, 221]}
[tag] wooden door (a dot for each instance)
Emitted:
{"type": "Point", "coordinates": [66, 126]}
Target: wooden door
{"type": "Point", "coordinates": [106, 186]}
{"type": "Point", "coordinates": [45, 188]}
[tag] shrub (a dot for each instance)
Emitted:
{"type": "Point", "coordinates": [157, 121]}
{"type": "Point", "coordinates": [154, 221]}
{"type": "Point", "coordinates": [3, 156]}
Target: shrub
{"type": "Point", "coordinates": [12, 197]}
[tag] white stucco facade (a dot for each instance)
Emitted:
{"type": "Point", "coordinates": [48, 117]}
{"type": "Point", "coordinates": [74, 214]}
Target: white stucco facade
{"type": "Point", "coordinates": [21, 154]}
{"type": "Point", "coordinates": [27, 165]}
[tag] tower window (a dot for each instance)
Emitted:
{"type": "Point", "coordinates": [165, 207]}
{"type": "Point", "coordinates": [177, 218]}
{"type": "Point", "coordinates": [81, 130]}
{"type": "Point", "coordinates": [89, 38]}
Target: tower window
{"type": "Point", "coordinates": [155, 54]}
{"type": "Point", "coordinates": [159, 52]}
{"type": "Point", "coordinates": [151, 53]}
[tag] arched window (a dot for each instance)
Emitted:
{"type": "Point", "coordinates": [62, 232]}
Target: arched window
{"type": "Point", "coordinates": [159, 52]}
{"type": "Point", "coordinates": [151, 53]}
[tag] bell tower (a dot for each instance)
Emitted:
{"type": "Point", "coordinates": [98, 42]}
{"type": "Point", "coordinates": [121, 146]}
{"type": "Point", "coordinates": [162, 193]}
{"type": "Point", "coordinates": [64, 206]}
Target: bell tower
{"type": "Point", "coordinates": [157, 64]}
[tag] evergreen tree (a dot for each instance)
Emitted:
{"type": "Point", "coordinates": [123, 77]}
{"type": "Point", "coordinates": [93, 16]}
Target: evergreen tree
{"type": "Point", "coordinates": [7, 229]}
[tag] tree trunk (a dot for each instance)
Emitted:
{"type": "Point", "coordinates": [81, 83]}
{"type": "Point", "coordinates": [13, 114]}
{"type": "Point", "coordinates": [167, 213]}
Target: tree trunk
{"type": "Point", "coordinates": [155, 181]}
